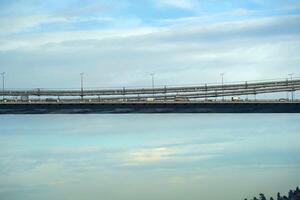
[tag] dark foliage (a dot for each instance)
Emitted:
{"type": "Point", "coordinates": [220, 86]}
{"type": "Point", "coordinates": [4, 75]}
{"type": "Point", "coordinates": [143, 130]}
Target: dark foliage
{"type": "Point", "coordinates": [292, 195]}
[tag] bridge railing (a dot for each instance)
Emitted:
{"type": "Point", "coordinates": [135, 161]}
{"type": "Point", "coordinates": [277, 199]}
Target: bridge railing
{"type": "Point", "coordinates": [202, 91]}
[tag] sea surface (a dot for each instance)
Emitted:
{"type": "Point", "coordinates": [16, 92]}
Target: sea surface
{"type": "Point", "coordinates": [148, 156]}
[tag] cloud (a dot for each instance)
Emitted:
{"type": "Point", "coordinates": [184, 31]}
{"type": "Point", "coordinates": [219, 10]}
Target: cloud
{"type": "Point", "coordinates": [23, 25]}
{"type": "Point", "coordinates": [176, 154]}
{"type": "Point", "coordinates": [77, 150]}
{"type": "Point", "coordinates": [12, 25]}
{"type": "Point", "coordinates": [97, 9]}
{"type": "Point", "coordinates": [181, 4]}
{"type": "Point", "coordinates": [178, 54]}
{"type": "Point", "coordinates": [152, 155]}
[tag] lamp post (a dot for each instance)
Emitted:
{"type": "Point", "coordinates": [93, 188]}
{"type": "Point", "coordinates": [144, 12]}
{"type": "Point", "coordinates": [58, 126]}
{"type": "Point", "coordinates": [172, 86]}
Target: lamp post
{"type": "Point", "coordinates": [3, 82]}
{"type": "Point", "coordinates": [81, 81]}
{"type": "Point", "coordinates": [292, 92]}
{"type": "Point", "coordinates": [287, 88]}
{"type": "Point", "coordinates": [222, 76]}
{"type": "Point", "coordinates": [152, 76]}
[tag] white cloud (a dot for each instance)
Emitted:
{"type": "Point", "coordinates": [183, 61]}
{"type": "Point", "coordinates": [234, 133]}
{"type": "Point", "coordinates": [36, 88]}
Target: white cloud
{"type": "Point", "coordinates": [11, 25]}
{"type": "Point", "coordinates": [185, 153]}
{"type": "Point", "coordinates": [182, 4]}
{"type": "Point", "coordinates": [36, 24]}
{"type": "Point", "coordinates": [76, 150]}
{"type": "Point", "coordinates": [152, 155]}
{"type": "Point", "coordinates": [178, 55]}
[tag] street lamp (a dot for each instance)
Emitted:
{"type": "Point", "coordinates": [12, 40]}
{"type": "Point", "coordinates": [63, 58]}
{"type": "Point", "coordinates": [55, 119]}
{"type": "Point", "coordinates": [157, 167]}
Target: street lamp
{"type": "Point", "coordinates": [81, 81]}
{"type": "Point", "coordinates": [292, 92]}
{"type": "Point", "coordinates": [222, 75]}
{"type": "Point", "coordinates": [3, 81]}
{"type": "Point", "coordinates": [152, 76]}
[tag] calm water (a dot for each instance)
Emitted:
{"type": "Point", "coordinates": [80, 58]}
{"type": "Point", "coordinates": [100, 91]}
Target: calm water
{"type": "Point", "coordinates": [146, 157]}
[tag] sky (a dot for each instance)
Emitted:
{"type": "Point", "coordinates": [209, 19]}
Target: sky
{"type": "Point", "coordinates": [134, 157]}
{"type": "Point", "coordinates": [47, 44]}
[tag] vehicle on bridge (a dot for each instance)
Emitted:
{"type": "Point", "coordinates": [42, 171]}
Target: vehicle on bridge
{"type": "Point", "coordinates": [51, 100]}
{"type": "Point", "coordinates": [236, 99]}
{"type": "Point", "coordinates": [283, 99]}
{"type": "Point", "coordinates": [179, 98]}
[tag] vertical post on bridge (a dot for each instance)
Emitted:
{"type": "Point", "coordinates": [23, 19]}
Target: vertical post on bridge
{"type": "Point", "coordinates": [81, 85]}
{"type": "Point", "coordinates": [246, 87]}
{"type": "Point", "coordinates": [123, 92]}
{"type": "Point", "coordinates": [165, 93]}
{"type": "Point", "coordinates": [205, 98]}
{"type": "Point", "coordinates": [292, 86]}
{"type": "Point", "coordinates": [287, 88]}
{"type": "Point", "coordinates": [3, 82]}
{"type": "Point", "coordinates": [152, 75]}
{"type": "Point", "coordinates": [222, 75]}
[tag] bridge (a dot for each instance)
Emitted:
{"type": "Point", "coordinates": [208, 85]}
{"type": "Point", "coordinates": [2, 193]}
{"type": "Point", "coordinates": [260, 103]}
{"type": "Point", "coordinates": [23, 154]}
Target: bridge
{"type": "Point", "coordinates": [159, 93]}
{"type": "Point", "coordinates": [198, 98]}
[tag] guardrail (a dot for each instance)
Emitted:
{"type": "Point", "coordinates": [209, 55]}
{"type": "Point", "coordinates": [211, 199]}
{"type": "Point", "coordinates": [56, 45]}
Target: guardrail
{"type": "Point", "coordinates": [202, 91]}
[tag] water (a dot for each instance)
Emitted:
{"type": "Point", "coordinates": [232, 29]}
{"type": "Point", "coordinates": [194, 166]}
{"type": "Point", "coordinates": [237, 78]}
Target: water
{"type": "Point", "coordinates": [136, 156]}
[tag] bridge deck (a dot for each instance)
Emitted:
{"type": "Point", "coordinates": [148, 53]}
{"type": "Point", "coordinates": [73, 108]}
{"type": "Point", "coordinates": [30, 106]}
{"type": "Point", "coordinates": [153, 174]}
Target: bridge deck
{"type": "Point", "coordinates": [149, 107]}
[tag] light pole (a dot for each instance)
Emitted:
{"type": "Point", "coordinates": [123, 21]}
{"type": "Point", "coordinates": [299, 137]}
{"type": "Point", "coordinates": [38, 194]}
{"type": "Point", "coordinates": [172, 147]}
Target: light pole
{"type": "Point", "coordinates": [152, 76]}
{"type": "Point", "coordinates": [222, 75]}
{"type": "Point", "coordinates": [81, 81]}
{"type": "Point", "coordinates": [3, 82]}
{"type": "Point", "coordinates": [287, 88]}
{"type": "Point", "coordinates": [292, 92]}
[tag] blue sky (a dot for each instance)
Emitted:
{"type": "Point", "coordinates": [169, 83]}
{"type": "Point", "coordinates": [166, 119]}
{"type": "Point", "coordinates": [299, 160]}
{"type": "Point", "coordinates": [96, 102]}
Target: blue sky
{"type": "Point", "coordinates": [119, 43]}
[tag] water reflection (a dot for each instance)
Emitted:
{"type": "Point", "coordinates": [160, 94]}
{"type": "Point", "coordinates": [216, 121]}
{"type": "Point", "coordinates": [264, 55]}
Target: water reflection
{"type": "Point", "coordinates": [190, 156]}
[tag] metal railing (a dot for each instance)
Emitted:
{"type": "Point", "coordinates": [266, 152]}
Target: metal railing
{"type": "Point", "coordinates": [160, 93]}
